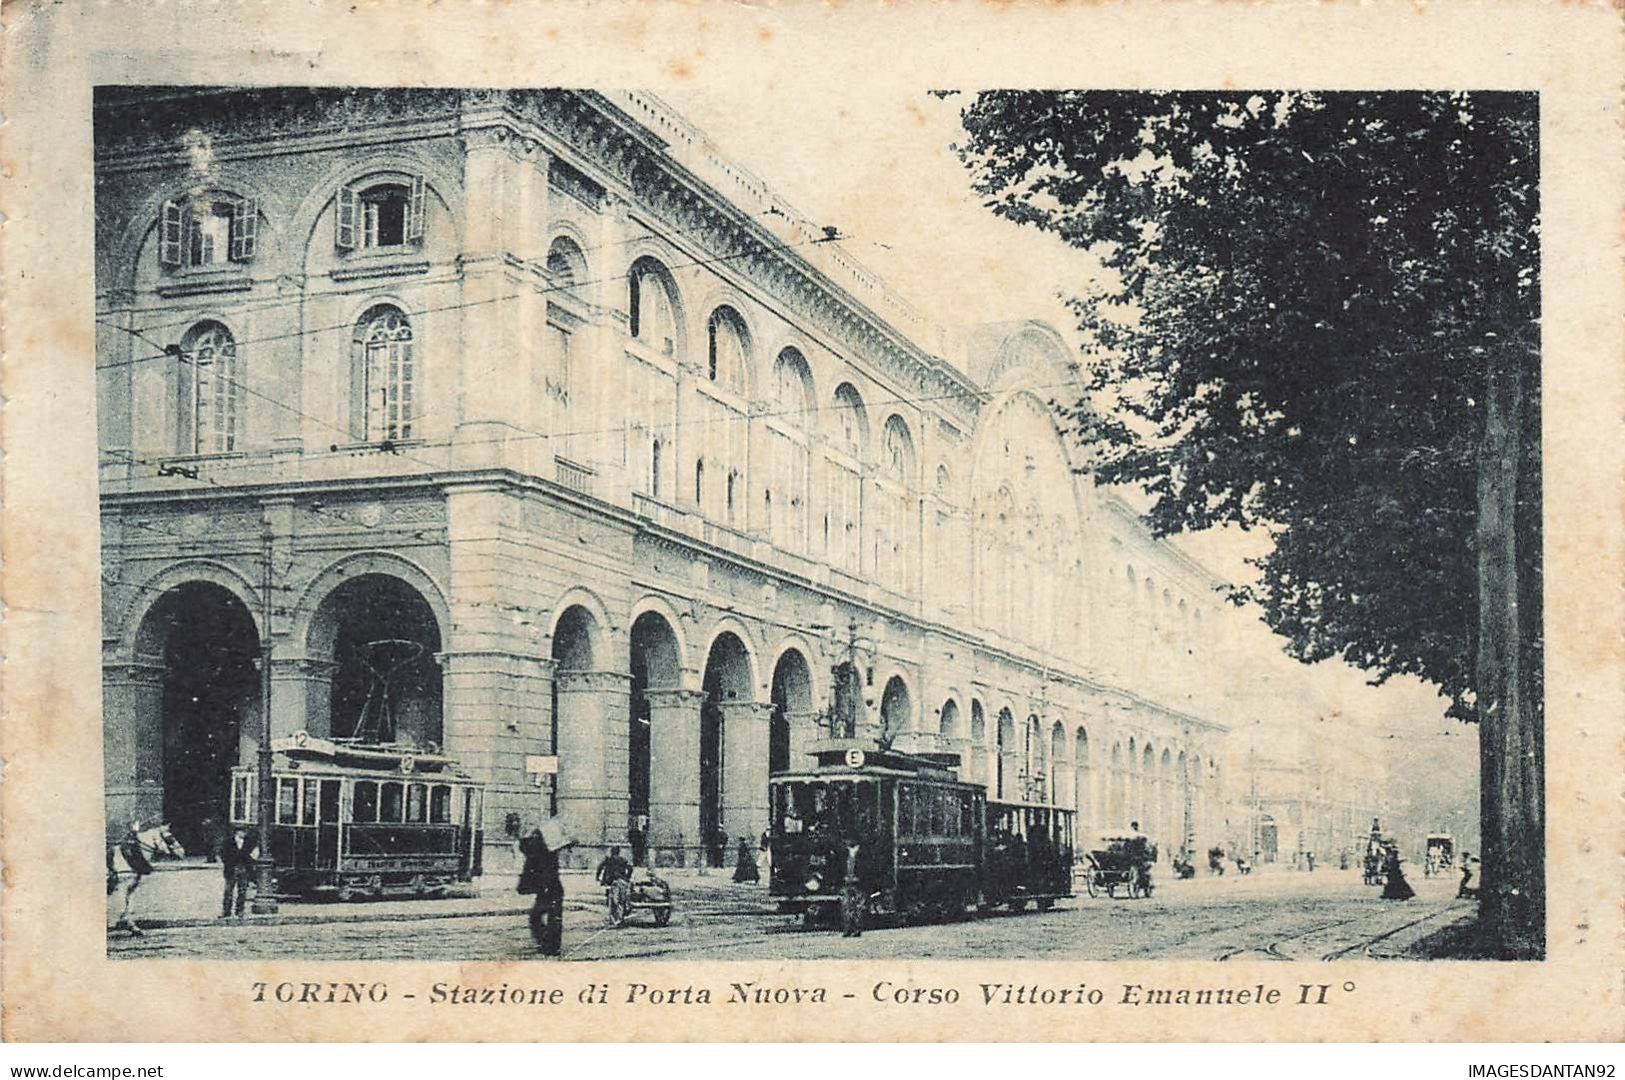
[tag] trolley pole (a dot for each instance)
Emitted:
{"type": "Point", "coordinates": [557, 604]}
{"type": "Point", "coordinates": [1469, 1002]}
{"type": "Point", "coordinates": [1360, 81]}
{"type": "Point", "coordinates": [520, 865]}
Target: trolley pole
{"type": "Point", "coordinates": [264, 878]}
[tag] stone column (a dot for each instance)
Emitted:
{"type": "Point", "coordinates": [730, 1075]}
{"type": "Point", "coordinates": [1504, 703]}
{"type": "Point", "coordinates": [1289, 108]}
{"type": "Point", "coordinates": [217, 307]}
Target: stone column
{"type": "Point", "coordinates": [133, 741]}
{"type": "Point", "coordinates": [804, 730]}
{"type": "Point", "coordinates": [744, 769]}
{"type": "Point", "coordinates": [592, 752]}
{"type": "Point", "coordinates": [491, 406]}
{"type": "Point", "coordinates": [302, 697]}
{"type": "Point", "coordinates": [674, 777]}
{"type": "Point", "coordinates": [1064, 792]}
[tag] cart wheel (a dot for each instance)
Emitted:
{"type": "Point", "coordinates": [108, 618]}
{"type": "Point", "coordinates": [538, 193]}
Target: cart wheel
{"type": "Point", "coordinates": [1091, 884]}
{"type": "Point", "coordinates": [662, 916]}
{"type": "Point", "coordinates": [1111, 890]}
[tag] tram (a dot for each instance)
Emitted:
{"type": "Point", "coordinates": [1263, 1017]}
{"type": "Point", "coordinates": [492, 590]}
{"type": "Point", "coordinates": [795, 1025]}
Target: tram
{"type": "Point", "coordinates": [931, 845]}
{"type": "Point", "coordinates": [370, 819]}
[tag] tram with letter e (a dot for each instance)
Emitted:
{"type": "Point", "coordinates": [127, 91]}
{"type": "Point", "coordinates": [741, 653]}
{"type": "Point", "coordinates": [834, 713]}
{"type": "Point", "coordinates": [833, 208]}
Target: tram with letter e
{"type": "Point", "coordinates": [934, 847]}
{"type": "Point", "coordinates": [353, 818]}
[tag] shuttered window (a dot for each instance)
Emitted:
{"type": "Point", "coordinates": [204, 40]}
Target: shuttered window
{"type": "Point", "coordinates": [380, 215]}
{"type": "Point", "coordinates": [207, 230]}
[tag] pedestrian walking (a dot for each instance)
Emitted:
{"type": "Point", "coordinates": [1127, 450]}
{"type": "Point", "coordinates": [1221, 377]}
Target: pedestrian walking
{"type": "Point", "coordinates": [1394, 886]}
{"type": "Point", "coordinates": [237, 867]}
{"type": "Point", "coordinates": [540, 878]}
{"type": "Point", "coordinates": [1464, 891]}
{"type": "Point", "coordinates": [637, 837]}
{"type": "Point", "coordinates": [854, 900]}
{"type": "Point", "coordinates": [615, 874]}
{"type": "Point", "coordinates": [745, 872]}
{"type": "Point", "coordinates": [764, 859]}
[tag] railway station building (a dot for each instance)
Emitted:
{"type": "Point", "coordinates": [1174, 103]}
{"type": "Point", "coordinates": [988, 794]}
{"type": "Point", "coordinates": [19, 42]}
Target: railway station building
{"type": "Point", "coordinates": [527, 426]}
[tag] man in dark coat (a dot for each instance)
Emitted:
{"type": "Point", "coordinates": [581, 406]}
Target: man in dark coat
{"type": "Point", "coordinates": [237, 865]}
{"type": "Point", "coordinates": [638, 837]}
{"type": "Point", "coordinates": [745, 871]}
{"type": "Point", "coordinates": [540, 878]}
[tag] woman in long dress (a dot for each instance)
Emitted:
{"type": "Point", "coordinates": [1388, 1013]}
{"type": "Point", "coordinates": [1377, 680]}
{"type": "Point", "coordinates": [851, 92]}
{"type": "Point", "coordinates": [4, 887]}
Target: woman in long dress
{"type": "Point", "coordinates": [1395, 887]}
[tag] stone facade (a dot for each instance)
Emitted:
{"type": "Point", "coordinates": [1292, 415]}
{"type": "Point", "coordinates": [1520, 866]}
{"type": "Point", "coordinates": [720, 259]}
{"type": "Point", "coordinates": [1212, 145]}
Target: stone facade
{"type": "Point", "coordinates": [619, 453]}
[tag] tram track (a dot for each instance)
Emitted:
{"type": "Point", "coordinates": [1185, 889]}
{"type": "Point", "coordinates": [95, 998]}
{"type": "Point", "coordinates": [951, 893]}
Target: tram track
{"type": "Point", "coordinates": [1273, 949]}
{"type": "Point", "coordinates": [1365, 946]}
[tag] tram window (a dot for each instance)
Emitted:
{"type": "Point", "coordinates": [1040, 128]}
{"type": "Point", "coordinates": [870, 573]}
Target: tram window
{"type": "Point", "coordinates": [287, 802]}
{"type": "Point", "coordinates": [366, 801]}
{"type": "Point", "coordinates": [389, 802]}
{"type": "Point", "coordinates": [785, 808]}
{"type": "Point", "coordinates": [417, 803]}
{"type": "Point", "coordinates": [867, 798]}
{"type": "Point", "coordinates": [440, 804]}
{"type": "Point", "coordinates": [967, 815]}
{"type": "Point", "coordinates": [905, 810]}
{"type": "Point", "coordinates": [939, 815]}
{"type": "Point", "coordinates": [307, 809]}
{"type": "Point", "coordinates": [241, 807]}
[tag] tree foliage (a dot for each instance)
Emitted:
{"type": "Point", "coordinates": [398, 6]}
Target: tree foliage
{"type": "Point", "coordinates": [1304, 293]}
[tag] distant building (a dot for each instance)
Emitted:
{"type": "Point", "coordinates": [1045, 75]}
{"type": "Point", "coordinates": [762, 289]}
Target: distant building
{"type": "Point", "coordinates": [526, 425]}
{"type": "Point", "coordinates": [1304, 780]}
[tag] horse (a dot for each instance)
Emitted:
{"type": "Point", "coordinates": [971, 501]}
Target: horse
{"type": "Point", "coordinates": [129, 862]}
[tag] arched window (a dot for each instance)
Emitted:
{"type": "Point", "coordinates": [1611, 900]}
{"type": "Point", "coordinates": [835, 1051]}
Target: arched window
{"type": "Point", "coordinates": [852, 423]}
{"type": "Point", "coordinates": [656, 452]}
{"type": "Point", "coordinates": [726, 349]}
{"type": "Point", "coordinates": [652, 307]}
{"type": "Point", "coordinates": [791, 381]}
{"type": "Point", "coordinates": [699, 483]}
{"type": "Point", "coordinates": [566, 265]}
{"type": "Point", "coordinates": [899, 458]}
{"type": "Point", "coordinates": [209, 385]}
{"type": "Point", "coordinates": [382, 375]}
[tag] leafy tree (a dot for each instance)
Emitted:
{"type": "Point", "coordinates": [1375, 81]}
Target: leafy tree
{"type": "Point", "coordinates": [1306, 298]}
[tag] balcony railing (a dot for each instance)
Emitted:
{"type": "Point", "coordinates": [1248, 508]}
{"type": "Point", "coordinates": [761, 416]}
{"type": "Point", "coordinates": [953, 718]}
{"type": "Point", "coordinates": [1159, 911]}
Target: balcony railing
{"type": "Point", "coordinates": [578, 478]}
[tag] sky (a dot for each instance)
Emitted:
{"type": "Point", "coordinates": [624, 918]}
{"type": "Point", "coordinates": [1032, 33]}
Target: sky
{"type": "Point", "coordinates": [880, 167]}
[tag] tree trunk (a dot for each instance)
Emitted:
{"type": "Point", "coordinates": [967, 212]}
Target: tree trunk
{"type": "Point", "coordinates": [1512, 911]}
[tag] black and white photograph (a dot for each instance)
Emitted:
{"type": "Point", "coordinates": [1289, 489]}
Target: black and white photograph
{"type": "Point", "coordinates": [525, 533]}
{"type": "Point", "coordinates": [578, 522]}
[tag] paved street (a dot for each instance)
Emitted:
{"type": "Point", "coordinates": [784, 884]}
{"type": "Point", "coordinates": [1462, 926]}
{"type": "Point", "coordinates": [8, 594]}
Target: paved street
{"type": "Point", "coordinates": [1284, 916]}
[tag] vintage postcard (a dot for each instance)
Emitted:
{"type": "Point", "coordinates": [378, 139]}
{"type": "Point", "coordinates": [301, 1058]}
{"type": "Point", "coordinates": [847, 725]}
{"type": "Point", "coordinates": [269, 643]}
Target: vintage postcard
{"type": "Point", "coordinates": [916, 522]}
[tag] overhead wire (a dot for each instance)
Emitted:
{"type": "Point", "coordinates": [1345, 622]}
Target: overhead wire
{"type": "Point", "coordinates": [364, 289]}
{"type": "Point", "coordinates": [164, 353]}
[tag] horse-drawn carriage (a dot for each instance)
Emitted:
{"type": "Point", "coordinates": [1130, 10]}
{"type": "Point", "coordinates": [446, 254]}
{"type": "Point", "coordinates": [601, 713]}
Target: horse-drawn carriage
{"type": "Point", "coordinates": [1440, 854]}
{"type": "Point", "coordinates": [1120, 862]}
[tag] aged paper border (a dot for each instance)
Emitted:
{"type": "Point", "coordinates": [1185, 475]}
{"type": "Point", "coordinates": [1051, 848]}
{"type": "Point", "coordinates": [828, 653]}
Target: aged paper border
{"type": "Point", "coordinates": [57, 983]}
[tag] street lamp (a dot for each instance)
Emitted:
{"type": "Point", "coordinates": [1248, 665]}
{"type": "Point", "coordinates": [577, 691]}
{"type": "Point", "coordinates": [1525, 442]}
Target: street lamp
{"type": "Point", "coordinates": [264, 871]}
